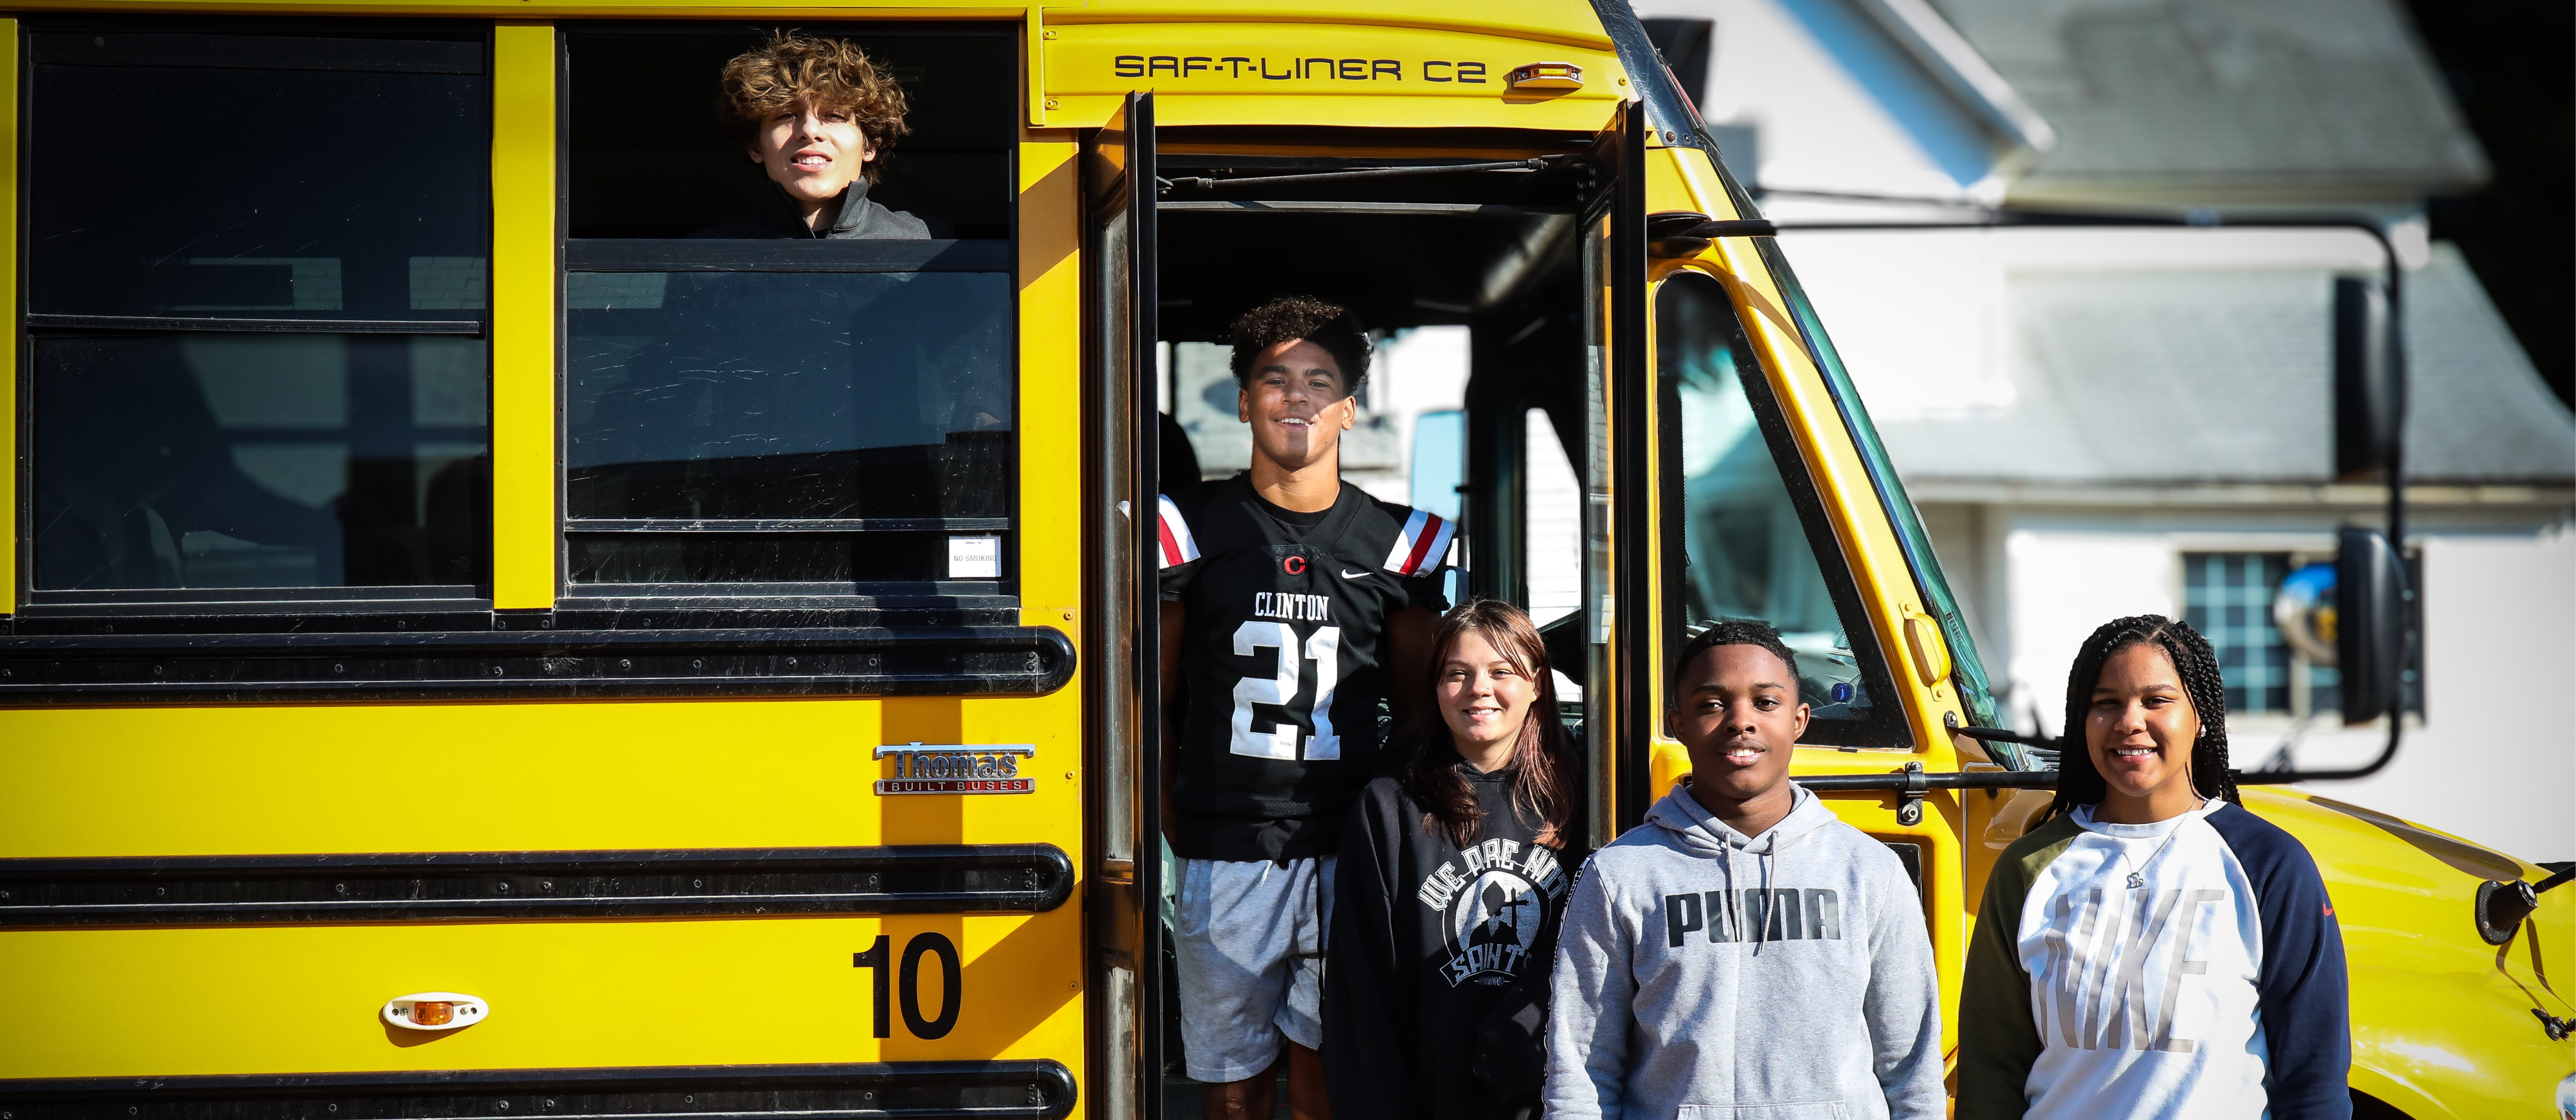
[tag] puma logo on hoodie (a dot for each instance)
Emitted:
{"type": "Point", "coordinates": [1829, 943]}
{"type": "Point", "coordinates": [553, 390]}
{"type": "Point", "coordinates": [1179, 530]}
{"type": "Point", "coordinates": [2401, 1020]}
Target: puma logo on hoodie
{"type": "Point", "coordinates": [1767, 915]}
{"type": "Point", "coordinates": [1701, 972]}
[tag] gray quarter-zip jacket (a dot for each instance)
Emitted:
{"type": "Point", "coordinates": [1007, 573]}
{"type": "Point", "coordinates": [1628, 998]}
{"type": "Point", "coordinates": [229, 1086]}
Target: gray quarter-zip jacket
{"type": "Point", "coordinates": [860, 220]}
{"type": "Point", "coordinates": [1702, 973]}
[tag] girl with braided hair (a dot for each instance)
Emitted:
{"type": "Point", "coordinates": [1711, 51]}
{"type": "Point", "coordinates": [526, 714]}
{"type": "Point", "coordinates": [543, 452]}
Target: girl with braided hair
{"type": "Point", "coordinates": [2079, 782]}
{"type": "Point", "coordinates": [2153, 949]}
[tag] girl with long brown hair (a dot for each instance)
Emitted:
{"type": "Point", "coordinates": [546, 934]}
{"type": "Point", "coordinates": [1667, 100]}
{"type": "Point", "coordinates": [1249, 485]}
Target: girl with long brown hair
{"type": "Point", "coordinates": [1452, 878]}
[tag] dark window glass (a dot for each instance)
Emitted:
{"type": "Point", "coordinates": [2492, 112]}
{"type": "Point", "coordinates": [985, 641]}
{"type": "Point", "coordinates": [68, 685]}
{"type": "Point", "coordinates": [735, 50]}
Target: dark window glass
{"type": "Point", "coordinates": [858, 416]}
{"type": "Point", "coordinates": [851, 558]}
{"type": "Point", "coordinates": [237, 460]}
{"type": "Point", "coordinates": [324, 178]}
{"type": "Point", "coordinates": [780, 413]}
{"type": "Point", "coordinates": [271, 372]}
{"type": "Point", "coordinates": [789, 395]}
{"type": "Point", "coordinates": [1748, 549]}
{"type": "Point", "coordinates": [651, 156]}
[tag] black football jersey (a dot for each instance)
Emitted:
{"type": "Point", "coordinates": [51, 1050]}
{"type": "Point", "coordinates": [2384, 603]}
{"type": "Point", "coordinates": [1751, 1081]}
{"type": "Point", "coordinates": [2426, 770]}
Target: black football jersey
{"type": "Point", "coordinates": [1283, 660]}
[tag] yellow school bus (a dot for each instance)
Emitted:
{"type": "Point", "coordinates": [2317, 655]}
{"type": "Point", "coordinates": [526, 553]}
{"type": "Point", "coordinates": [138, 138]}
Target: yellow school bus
{"type": "Point", "coordinates": [469, 648]}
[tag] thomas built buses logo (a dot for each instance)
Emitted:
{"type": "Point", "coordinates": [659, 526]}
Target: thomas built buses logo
{"type": "Point", "coordinates": [956, 769]}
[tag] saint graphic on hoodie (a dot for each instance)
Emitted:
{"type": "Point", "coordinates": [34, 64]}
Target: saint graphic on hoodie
{"type": "Point", "coordinates": [1494, 921]}
{"type": "Point", "coordinates": [1436, 976]}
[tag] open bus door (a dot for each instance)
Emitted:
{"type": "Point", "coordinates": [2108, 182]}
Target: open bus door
{"type": "Point", "coordinates": [1577, 234]}
{"type": "Point", "coordinates": [1618, 563]}
{"type": "Point", "coordinates": [1122, 412]}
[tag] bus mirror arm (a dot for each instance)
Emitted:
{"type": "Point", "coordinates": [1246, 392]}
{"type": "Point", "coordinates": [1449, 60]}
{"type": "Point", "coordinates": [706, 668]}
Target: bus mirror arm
{"type": "Point", "coordinates": [1912, 782]}
{"type": "Point", "coordinates": [2371, 577]}
{"type": "Point", "coordinates": [2001, 735]}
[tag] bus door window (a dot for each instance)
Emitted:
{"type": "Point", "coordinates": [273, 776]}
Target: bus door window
{"type": "Point", "coordinates": [264, 369]}
{"type": "Point", "coordinates": [1753, 543]}
{"type": "Point", "coordinates": [783, 414]}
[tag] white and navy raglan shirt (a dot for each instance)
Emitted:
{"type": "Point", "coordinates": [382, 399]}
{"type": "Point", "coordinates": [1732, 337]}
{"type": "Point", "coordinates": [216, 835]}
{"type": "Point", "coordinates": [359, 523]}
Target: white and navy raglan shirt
{"type": "Point", "coordinates": [2190, 968]}
{"type": "Point", "coordinates": [1283, 659]}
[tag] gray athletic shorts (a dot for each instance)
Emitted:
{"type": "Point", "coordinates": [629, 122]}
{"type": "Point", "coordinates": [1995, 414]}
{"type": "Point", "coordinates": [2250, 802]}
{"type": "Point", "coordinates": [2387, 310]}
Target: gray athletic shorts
{"type": "Point", "coordinates": [1250, 938]}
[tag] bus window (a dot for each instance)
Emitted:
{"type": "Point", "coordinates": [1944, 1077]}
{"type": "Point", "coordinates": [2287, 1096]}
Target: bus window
{"type": "Point", "coordinates": [785, 427]}
{"type": "Point", "coordinates": [1754, 544]}
{"type": "Point", "coordinates": [785, 415]}
{"type": "Point", "coordinates": [271, 373]}
{"type": "Point", "coordinates": [650, 154]}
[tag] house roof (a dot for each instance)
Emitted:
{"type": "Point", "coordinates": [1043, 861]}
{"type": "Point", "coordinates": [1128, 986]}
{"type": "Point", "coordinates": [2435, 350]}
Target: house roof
{"type": "Point", "coordinates": [2201, 102]}
{"type": "Point", "coordinates": [2150, 376]}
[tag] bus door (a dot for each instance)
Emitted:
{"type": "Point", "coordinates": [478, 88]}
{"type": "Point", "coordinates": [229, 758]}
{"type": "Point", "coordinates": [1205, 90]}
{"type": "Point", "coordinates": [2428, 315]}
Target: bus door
{"type": "Point", "coordinates": [1564, 361]}
{"type": "Point", "coordinates": [1618, 558]}
{"type": "Point", "coordinates": [1120, 499]}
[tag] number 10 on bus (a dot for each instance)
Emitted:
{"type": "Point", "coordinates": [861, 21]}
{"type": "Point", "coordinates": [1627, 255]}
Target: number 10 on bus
{"type": "Point", "coordinates": [951, 995]}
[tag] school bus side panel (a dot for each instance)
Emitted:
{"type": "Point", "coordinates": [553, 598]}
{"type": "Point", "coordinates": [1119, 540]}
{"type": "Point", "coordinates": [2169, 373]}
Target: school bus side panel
{"type": "Point", "coordinates": [153, 780]}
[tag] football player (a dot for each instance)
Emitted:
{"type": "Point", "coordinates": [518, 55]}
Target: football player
{"type": "Point", "coordinates": [1291, 600]}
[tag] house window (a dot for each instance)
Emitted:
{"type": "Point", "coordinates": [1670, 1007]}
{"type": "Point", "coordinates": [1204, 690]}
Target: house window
{"type": "Point", "coordinates": [2227, 596]}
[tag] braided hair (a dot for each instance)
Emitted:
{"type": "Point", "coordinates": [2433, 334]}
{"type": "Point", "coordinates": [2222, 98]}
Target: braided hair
{"type": "Point", "coordinates": [2078, 783]}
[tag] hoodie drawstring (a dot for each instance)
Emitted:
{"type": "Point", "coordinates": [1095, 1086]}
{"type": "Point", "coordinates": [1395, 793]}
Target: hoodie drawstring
{"type": "Point", "coordinates": [1732, 894]}
{"type": "Point", "coordinates": [1762, 860]}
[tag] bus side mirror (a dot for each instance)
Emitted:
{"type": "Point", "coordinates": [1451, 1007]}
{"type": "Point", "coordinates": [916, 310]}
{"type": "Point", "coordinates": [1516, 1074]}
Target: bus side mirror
{"type": "Point", "coordinates": [2370, 622]}
{"type": "Point", "coordinates": [2365, 380]}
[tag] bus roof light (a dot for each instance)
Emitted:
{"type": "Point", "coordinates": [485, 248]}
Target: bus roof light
{"type": "Point", "coordinates": [1546, 76]}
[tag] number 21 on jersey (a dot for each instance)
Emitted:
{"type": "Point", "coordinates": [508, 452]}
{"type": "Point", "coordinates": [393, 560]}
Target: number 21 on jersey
{"type": "Point", "coordinates": [1280, 741]}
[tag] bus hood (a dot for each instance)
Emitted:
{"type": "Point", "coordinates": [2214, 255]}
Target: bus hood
{"type": "Point", "coordinates": [2444, 1023]}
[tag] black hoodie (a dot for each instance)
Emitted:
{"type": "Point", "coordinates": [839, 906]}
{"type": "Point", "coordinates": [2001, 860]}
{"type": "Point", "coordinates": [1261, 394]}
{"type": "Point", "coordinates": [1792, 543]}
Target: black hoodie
{"type": "Point", "coordinates": [1437, 964]}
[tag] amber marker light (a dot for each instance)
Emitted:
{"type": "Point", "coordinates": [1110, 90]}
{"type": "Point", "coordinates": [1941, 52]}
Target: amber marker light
{"type": "Point", "coordinates": [435, 1011]}
{"type": "Point", "coordinates": [1546, 76]}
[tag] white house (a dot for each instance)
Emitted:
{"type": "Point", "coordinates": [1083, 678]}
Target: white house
{"type": "Point", "coordinates": [2101, 422]}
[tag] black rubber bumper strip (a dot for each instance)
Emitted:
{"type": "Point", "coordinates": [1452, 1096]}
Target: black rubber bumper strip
{"type": "Point", "coordinates": [504, 664]}
{"type": "Point", "coordinates": [432, 886]}
{"type": "Point", "coordinates": [1042, 1090]}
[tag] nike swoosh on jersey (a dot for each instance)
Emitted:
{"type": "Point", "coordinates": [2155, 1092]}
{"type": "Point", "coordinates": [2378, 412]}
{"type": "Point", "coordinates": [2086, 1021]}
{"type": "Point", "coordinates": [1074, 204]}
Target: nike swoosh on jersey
{"type": "Point", "coordinates": [1353, 575]}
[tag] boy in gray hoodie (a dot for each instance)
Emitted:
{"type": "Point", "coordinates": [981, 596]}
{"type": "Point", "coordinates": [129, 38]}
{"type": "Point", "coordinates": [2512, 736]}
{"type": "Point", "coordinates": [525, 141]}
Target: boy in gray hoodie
{"type": "Point", "coordinates": [1744, 953]}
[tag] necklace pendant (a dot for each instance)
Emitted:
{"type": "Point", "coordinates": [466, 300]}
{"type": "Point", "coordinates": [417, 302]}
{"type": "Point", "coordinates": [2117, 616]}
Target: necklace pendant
{"type": "Point", "coordinates": [2136, 880]}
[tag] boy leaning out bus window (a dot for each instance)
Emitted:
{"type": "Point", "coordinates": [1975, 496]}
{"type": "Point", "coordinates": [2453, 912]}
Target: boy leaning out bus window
{"type": "Point", "coordinates": [815, 115]}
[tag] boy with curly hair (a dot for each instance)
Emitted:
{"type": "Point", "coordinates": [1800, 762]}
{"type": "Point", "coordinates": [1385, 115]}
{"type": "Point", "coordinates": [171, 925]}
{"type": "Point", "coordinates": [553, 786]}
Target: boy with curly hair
{"type": "Point", "coordinates": [814, 113]}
